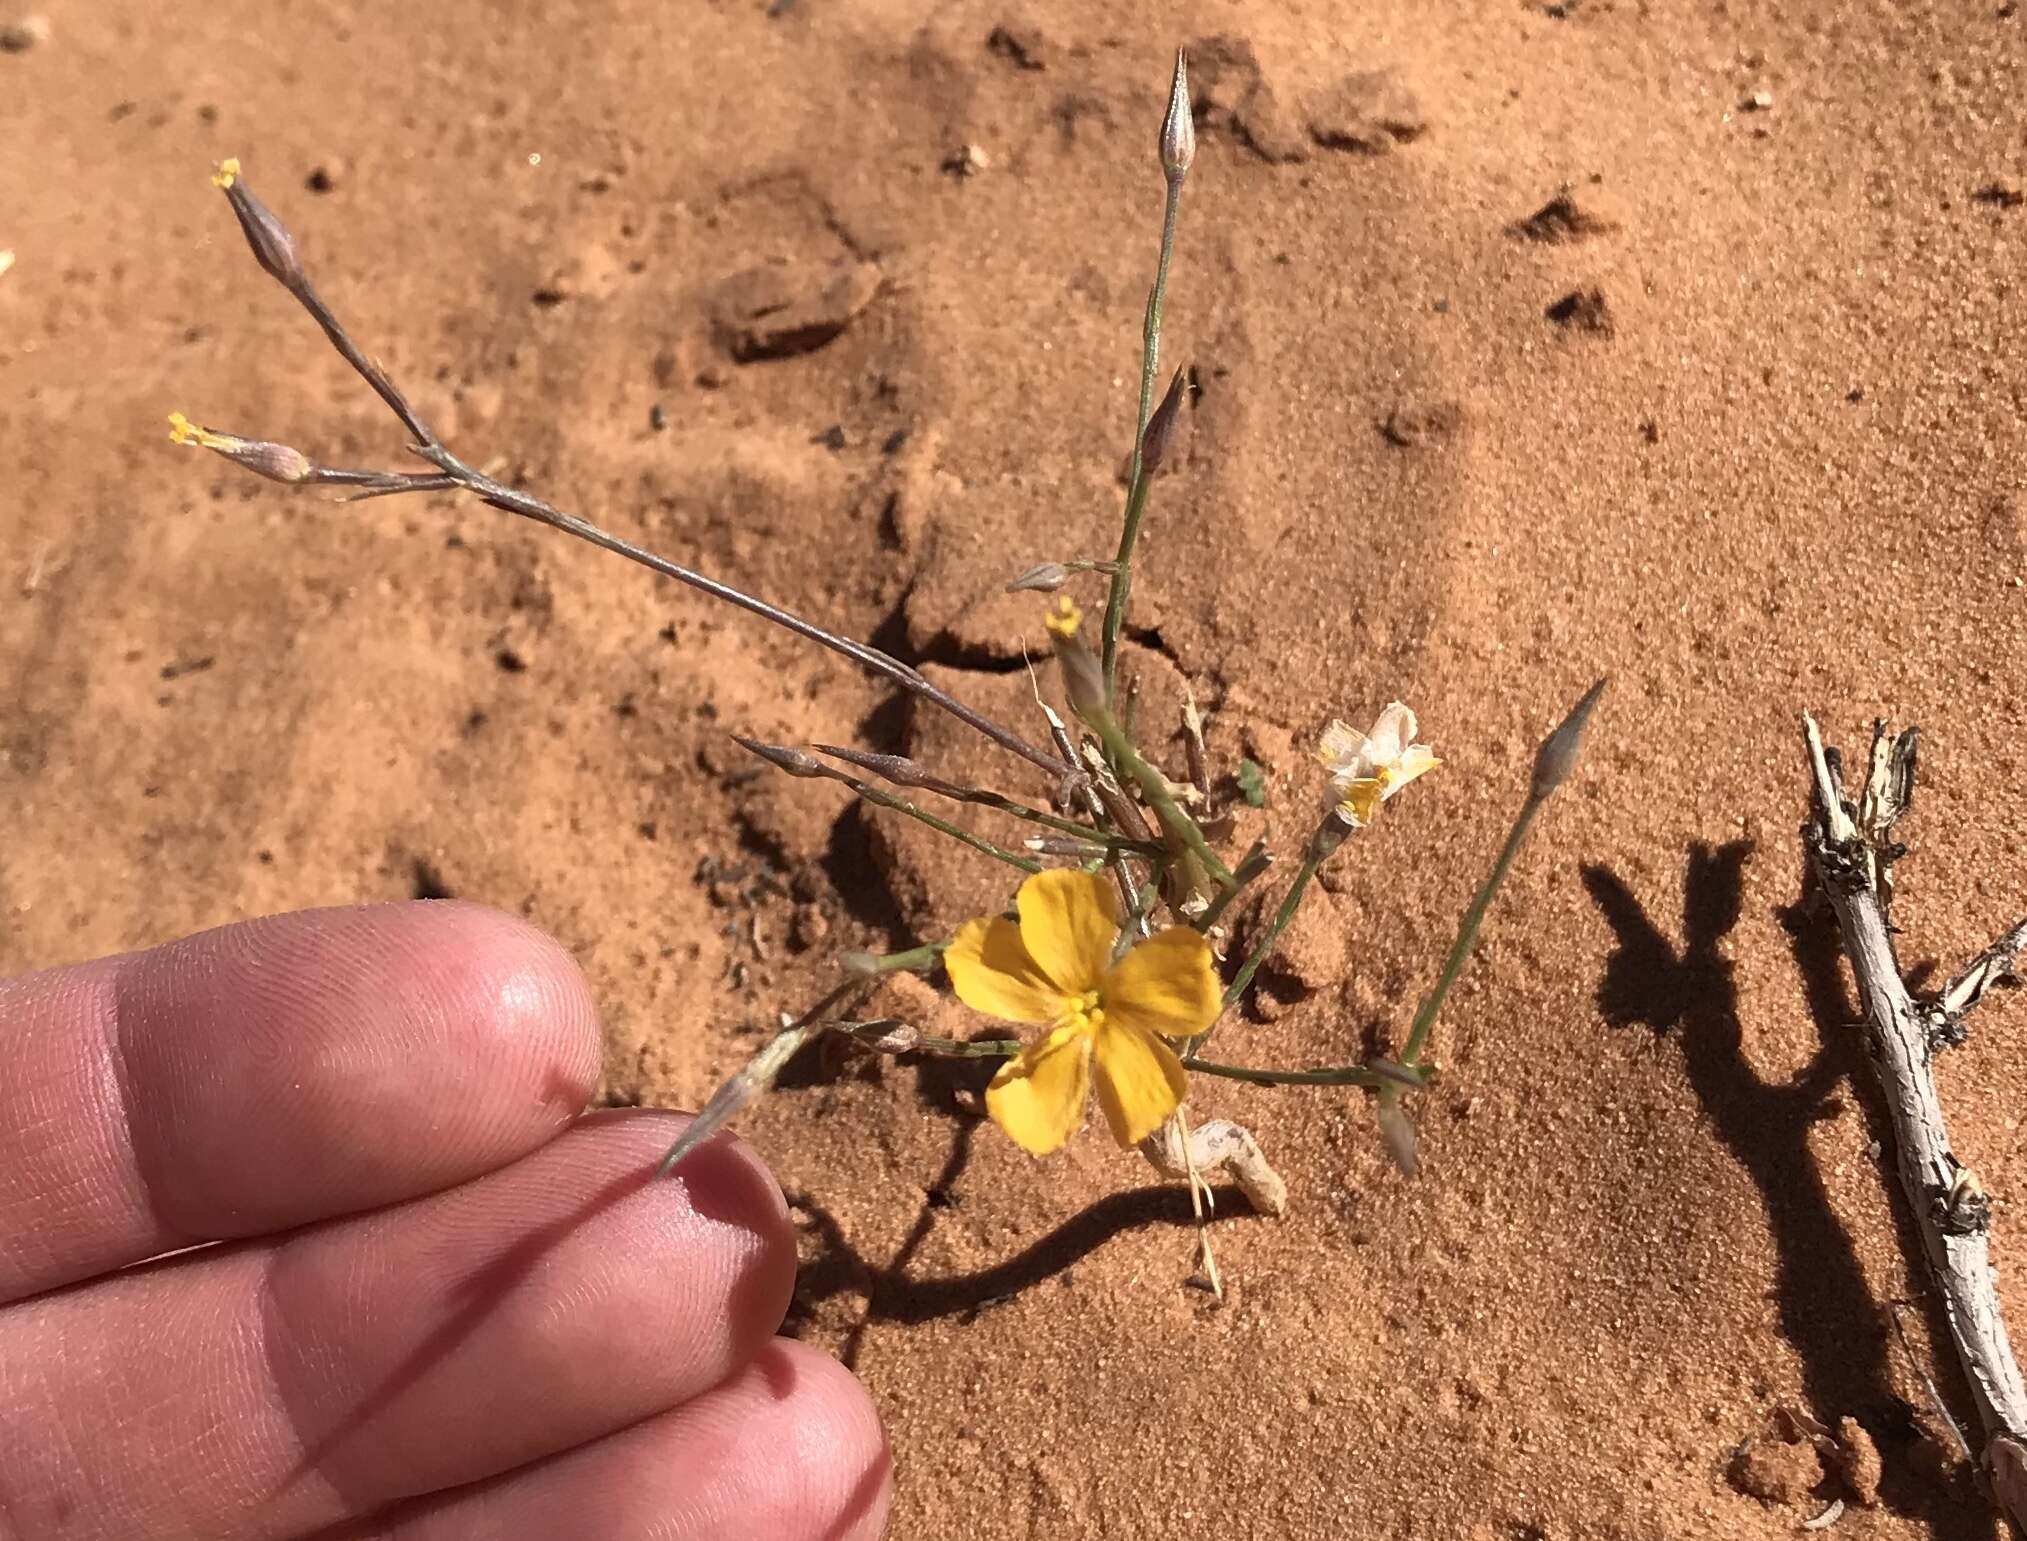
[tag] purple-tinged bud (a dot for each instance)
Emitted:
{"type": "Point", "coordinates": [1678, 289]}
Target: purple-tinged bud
{"type": "Point", "coordinates": [273, 247]}
{"type": "Point", "coordinates": [1160, 436]}
{"type": "Point", "coordinates": [900, 770]}
{"type": "Point", "coordinates": [782, 758]}
{"type": "Point", "coordinates": [263, 457]}
{"type": "Point", "coordinates": [1178, 128]}
{"type": "Point", "coordinates": [1045, 579]}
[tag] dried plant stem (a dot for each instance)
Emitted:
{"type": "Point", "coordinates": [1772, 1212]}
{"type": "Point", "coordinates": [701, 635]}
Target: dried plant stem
{"type": "Point", "coordinates": [1173, 817]}
{"type": "Point", "coordinates": [1853, 860]}
{"type": "Point", "coordinates": [274, 249]}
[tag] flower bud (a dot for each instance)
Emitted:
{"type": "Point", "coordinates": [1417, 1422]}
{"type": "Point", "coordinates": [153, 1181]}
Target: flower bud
{"type": "Point", "coordinates": [277, 462]}
{"type": "Point", "coordinates": [1178, 128]}
{"type": "Point", "coordinates": [1557, 756]}
{"type": "Point", "coordinates": [1045, 579]}
{"type": "Point", "coordinates": [273, 247]}
{"type": "Point", "coordinates": [899, 769]}
{"type": "Point", "coordinates": [1066, 845]}
{"type": "Point", "coordinates": [1083, 675]}
{"type": "Point", "coordinates": [782, 758]}
{"type": "Point", "coordinates": [1397, 1133]}
{"type": "Point", "coordinates": [1160, 435]}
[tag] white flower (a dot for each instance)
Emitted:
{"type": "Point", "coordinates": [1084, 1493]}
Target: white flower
{"type": "Point", "coordinates": [1368, 768]}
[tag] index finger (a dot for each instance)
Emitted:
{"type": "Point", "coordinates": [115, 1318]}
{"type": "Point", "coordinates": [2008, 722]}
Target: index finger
{"type": "Point", "coordinates": [273, 1073]}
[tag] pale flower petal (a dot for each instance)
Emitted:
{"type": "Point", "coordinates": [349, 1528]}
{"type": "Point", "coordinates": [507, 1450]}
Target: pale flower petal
{"type": "Point", "coordinates": [1417, 761]}
{"type": "Point", "coordinates": [1384, 761]}
{"type": "Point", "coordinates": [1391, 735]}
{"type": "Point", "coordinates": [1340, 748]}
{"type": "Point", "coordinates": [1361, 800]}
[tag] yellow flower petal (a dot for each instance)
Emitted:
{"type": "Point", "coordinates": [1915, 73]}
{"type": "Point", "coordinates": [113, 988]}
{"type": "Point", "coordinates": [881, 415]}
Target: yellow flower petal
{"type": "Point", "coordinates": [1038, 1098]}
{"type": "Point", "coordinates": [1063, 618]}
{"type": "Point", "coordinates": [1167, 984]}
{"type": "Point", "coordinates": [1362, 799]}
{"type": "Point", "coordinates": [992, 972]}
{"type": "Point", "coordinates": [1068, 924]}
{"type": "Point", "coordinates": [1140, 1081]}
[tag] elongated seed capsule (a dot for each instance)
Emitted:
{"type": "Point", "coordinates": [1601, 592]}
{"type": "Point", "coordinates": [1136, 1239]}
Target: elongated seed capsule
{"type": "Point", "coordinates": [1178, 128]}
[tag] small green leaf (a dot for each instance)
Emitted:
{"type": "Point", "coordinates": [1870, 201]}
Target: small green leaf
{"type": "Point", "coordinates": [1253, 783]}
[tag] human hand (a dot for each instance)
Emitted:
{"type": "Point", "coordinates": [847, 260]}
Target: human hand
{"type": "Point", "coordinates": [446, 1305]}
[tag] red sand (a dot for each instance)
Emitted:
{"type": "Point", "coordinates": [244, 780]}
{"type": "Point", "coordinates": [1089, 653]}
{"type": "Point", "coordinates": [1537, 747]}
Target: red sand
{"type": "Point", "coordinates": [1772, 457]}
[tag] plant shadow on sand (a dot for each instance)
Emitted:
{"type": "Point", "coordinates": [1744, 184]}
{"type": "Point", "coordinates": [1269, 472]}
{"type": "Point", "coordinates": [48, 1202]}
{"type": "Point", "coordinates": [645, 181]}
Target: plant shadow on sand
{"type": "Point", "coordinates": [893, 1293]}
{"type": "Point", "coordinates": [1826, 1310]}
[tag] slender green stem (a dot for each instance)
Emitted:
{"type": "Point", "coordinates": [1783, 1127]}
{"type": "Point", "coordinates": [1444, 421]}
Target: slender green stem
{"type": "Point", "coordinates": [869, 1035]}
{"type": "Point", "coordinates": [1336, 1075]}
{"type": "Point", "coordinates": [1036, 816]}
{"type": "Point", "coordinates": [1467, 932]}
{"type": "Point", "coordinates": [913, 960]}
{"type": "Point", "coordinates": [1137, 482]}
{"type": "Point", "coordinates": [1257, 861]}
{"type": "Point", "coordinates": [873, 794]}
{"type": "Point", "coordinates": [1154, 787]}
{"type": "Point", "coordinates": [1290, 903]}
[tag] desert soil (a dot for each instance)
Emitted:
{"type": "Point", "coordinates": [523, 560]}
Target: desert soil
{"type": "Point", "coordinates": [841, 301]}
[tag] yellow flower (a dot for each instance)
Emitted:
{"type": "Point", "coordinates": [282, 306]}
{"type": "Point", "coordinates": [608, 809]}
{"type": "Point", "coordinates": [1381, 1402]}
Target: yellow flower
{"type": "Point", "coordinates": [183, 431]}
{"type": "Point", "coordinates": [1368, 768]}
{"type": "Point", "coordinates": [1063, 618]}
{"type": "Point", "coordinates": [1106, 1021]}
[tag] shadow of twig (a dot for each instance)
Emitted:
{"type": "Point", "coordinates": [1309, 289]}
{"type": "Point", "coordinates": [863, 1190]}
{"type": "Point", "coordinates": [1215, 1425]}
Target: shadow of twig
{"type": "Point", "coordinates": [1825, 1308]}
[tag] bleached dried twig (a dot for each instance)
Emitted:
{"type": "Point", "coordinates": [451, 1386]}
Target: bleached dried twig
{"type": "Point", "coordinates": [1852, 851]}
{"type": "Point", "coordinates": [1218, 1146]}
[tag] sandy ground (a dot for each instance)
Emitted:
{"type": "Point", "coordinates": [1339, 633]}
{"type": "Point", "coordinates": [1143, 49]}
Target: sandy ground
{"type": "Point", "coordinates": [1770, 456]}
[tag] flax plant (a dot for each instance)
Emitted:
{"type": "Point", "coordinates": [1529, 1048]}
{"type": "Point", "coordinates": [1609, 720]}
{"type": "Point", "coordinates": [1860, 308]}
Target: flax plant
{"type": "Point", "coordinates": [1113, 945]}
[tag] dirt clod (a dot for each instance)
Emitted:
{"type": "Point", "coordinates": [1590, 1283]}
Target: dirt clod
{"type": "Point", "coordinates": [780, 309]}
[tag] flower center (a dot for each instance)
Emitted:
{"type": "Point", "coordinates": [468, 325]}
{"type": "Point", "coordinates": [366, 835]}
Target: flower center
{"type": "Point", "coordinates": [1083, 1012]}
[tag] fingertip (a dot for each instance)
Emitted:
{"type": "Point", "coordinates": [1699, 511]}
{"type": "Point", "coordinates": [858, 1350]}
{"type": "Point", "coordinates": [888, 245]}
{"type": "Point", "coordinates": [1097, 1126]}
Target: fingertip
{"type": "Point", "coordinates": [516, 991]}
{"type": "Point", "coordinates": [723, 1205]}
{"type": "Point", "coordinates": [839, 1444]}
{"type": "Point", "coordinates": [332, 1060]}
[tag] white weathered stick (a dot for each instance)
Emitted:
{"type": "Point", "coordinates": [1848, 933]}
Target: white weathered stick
{"type": "Point", "coordinates": [1853, 854]}
{"type": "Point", "coordinates": [1218, 1146]}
